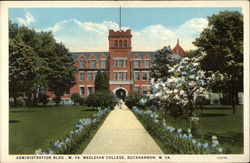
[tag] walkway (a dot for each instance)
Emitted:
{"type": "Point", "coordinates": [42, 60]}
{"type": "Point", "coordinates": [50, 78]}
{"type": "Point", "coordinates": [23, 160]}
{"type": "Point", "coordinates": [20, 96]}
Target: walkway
{"type": "Point", "coordinates": [122, 133]}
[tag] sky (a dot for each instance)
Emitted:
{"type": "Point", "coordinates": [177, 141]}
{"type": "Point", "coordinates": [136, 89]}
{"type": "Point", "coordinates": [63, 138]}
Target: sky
{"type": "Point", "coordinates": [86, 29]}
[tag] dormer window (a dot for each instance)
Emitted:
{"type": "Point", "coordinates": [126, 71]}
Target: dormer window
{"type": "Point", "coordinates": [81, 64]}
{"type": "Point", "coordinates": [146, 63]}
{"type": "Point", "coordinates": [136, 63]}
{"type": "Point", "coordinates": [92, 63]}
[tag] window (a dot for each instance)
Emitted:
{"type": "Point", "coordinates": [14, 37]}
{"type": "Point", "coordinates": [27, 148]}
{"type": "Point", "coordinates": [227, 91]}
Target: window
{"type": "Point", "coordinates": [136, 77]}
{"type": "Point", "coordinates": [81, 90]}
{"type": "Point", "coordinates": [81, 62]}
{"type": "Point", "coordinates": [114, 63]}
{"type": "Point", "coordinates": [119, 75]}
{"type": "Point", "coordinates": [124, 75]}
{"type": "Point", "coordinates": [92, 63]}
{"type": "Point", "coordinates": [146, 63]}
{"type": "Point", "coordinates": [114, 75]}
{"type": "Point", "coordinates": [81, 76]}
{"type": "Point", "coordinates": [103, 64]}
{"type": "Point", "coordinates": [125, 43]}
{"type": "Point", "coordinates": [136, 89]}
{"type": "Point", "coordinates": [90, 90]}
{"type": "Point", "coordinates": [119, 63]}
{"type": "Point", "coordinates": [89, 76]}
{"type": "Point", "coordinates": [144, 90]}
{"type": "Point", "coordinates": [116, 43]}
{"type": "Point", "coordinates": [144, 75]}
{"type": "Point", "coordinates": [124, 63]}
{"type": "Point", "coordinates": [120, 43]}
{"type": "Point", "coordinates": [136, 63]}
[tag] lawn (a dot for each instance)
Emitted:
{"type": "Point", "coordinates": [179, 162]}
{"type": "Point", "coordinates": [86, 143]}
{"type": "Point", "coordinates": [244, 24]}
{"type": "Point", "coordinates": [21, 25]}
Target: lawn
{"type": "Point", "coordinates": [30, 130]}
{"type": "Point", "coordinates": [219, 121]}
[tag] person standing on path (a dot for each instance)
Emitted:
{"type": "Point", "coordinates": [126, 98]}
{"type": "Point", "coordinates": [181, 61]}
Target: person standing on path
{"type": "Point", "coordinates": [120, 103]}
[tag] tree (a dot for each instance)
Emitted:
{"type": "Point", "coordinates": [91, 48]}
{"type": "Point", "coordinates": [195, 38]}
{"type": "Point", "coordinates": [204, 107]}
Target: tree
{"type": "Point", "coordinates": [223, 43]}
{"type": "Point", "coordinates": [60, 76]}
{"type": "Point", "coordinates": [50, 66]}
{"type": "Point", "coordinates": [101, 82]}
{"type": "Point", "coordinates": [23, 78]}
{"type": "Point", "coordinates": [178, 92]}
{"type": "Point", "coordinates": [163, 58]}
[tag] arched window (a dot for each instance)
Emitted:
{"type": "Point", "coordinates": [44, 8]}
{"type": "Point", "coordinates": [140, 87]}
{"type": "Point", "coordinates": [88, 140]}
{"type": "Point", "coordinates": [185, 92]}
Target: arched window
{"type": "Point", "coordinates": [116, 43]}
{"type": "Point", "coordinates": [120, 43]}
{"type": "Point", "coordinates": [125, 43]}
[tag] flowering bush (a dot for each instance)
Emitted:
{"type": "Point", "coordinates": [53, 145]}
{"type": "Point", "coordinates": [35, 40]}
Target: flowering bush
{"type": "Point", "coordinates": [81, 130]}
{"type": "Point", "coordinates": [178, 92]}
{"type": "Point", "coordinates": [178, 140]}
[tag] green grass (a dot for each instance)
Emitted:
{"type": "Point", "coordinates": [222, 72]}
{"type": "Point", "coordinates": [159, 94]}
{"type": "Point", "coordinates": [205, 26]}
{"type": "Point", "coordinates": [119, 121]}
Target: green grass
{"type": "Point", "coordinates": [219, 121]}
{"type": "Point", "coordinates": [30, 130]}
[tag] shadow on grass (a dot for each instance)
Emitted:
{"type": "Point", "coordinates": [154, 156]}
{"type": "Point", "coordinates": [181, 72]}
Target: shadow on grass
{"type": "Point", "coordinates": [88, 109]}
{"type": "Point", "coordinates": [21, 111]}
{"type": "Point", "coordinates": [212, 115]}
{"type": "Point", "coordinates": [13, 121]}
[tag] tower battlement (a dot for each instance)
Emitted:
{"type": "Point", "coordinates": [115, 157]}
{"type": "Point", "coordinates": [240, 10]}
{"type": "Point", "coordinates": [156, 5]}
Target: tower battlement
{"type": "Point", "coordinates": [120, 32]}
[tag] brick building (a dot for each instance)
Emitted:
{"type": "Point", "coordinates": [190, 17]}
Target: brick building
{"type": "Point", "coordinates": [128, 71]}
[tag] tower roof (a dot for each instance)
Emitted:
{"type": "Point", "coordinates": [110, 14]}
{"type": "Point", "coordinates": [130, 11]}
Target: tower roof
{"type": "Point", "coordinates": [178, 49]}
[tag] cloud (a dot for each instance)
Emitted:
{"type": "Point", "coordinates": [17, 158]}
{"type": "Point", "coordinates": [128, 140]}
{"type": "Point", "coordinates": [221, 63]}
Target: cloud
{"type": "Point", "coordinates": [91, 36]}
{"type": "Point", "coordinates": [27, 20]}
{"type": "Point", "coordinates": [191, 30]}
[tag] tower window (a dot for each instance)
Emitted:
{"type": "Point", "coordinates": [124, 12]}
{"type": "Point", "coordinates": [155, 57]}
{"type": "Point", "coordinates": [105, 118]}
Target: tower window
{"type": "Point", "coordinates": [125, 43]}
{"type": "Point", "coordinates": [120, 43]}
{"type": "Point", "coordinates": [116, 43]}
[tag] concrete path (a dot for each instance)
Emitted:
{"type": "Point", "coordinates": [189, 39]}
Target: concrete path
{"type": "Point", "coordinates": [122, 133]}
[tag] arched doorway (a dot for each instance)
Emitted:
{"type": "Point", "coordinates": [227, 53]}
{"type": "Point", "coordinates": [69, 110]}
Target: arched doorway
{"type": "Point", "coordinates": [120, 93]}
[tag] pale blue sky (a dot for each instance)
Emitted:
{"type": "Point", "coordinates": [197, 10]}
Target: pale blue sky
{"type": "Point", "coordinates": [76, 26]}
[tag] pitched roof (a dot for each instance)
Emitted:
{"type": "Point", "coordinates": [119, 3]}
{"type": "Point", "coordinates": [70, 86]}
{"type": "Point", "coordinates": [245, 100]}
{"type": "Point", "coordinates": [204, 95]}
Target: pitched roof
{"type": "Point", "coordinates": [178, 49]}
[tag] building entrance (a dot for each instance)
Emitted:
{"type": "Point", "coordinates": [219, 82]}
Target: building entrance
{"type": "Point", "coordinates": [121, 94]}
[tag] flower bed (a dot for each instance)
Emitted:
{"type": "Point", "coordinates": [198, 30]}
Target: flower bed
{"type": "Point", "coordinates": [177, 140]}
{"type": "Point", "coordinates": [81, 131]}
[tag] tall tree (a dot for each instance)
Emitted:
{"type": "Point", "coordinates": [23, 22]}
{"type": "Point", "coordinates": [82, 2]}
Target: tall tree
{"type": "Point", "coordinates": [101, 82]}
{"type": "Point", "coordinates": [60, 78]}
{"type": "Point", "coordinates": [50, 65]}
{"type": "Point", "coordinates": [23, 78]}
{"type": "Point", "coordinates": [163, 58]}
{"type": "Point", "coordinates": [223, 43]}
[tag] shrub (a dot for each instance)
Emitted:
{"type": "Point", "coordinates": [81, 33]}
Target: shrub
{"type": "Point", "coordinates": [81, 101]}
{"type": "Point", "coordinates": [75, 97]}
{"type": "Point", "coordinates": [133, 99]}
{"type": "Point", "coordinates": [101, 99]}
